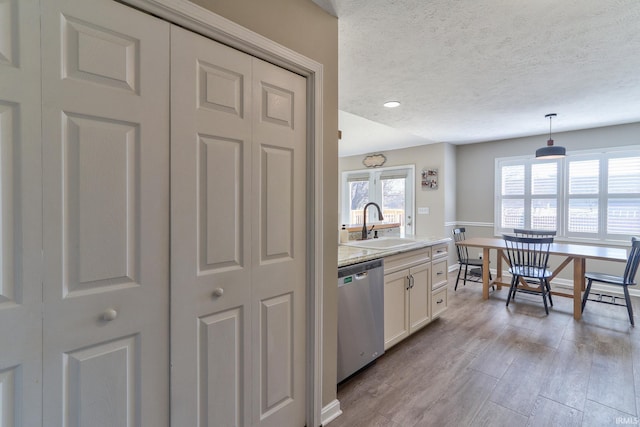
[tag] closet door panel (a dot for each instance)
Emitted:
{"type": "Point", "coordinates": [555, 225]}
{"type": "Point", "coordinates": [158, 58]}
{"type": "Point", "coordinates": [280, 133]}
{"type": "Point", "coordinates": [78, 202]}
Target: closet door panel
{"type": "Point", "coordinates": [210, 244]}
{"type": "Point", "coordinates": [106, 206]}
{"type": "Point", "coordinates": [20, 215]}
{"type": "Point", "coordinates": [279, 246]}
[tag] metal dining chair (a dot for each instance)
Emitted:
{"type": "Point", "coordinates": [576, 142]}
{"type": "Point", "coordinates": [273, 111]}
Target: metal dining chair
{"type": "Point", "coordinates": [626, 280]}
{"type": "Point", "coordinates": [528, 259]}
{"type": "Point", "coordinates": [464, 261]}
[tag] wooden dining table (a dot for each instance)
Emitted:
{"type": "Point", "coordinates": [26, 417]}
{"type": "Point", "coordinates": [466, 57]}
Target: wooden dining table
{"type": "Point", "coordinates": [578, 254]}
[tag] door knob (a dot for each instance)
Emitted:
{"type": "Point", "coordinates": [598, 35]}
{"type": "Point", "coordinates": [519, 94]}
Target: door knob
{"type": "Point", "coordinates": [109, 314]}
{"type": "Point", "coordinates": [218, 292]}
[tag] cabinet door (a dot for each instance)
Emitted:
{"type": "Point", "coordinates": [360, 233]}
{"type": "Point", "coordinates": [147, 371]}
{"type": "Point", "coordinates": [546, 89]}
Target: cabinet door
{"type": "Point", "coordinates": [105, 85]}
{"type": "Point", "coordinates": [419, 295]}
{"type": "Point", "coordinates": [396, 307]}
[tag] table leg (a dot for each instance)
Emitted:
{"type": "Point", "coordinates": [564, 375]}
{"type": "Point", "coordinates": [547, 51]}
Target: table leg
{"type": "Point", "coordinates": [499, 258]}
{"type": "Point", "coordinates": [578, 286]}
{"type": "Point", "coordinates": [485, 273]}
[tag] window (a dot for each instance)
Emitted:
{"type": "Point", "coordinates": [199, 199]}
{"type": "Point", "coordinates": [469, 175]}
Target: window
{"type": "Point", "coordinates": [594, 195]}
{"type": "Point", "coordinates": [390, 188]}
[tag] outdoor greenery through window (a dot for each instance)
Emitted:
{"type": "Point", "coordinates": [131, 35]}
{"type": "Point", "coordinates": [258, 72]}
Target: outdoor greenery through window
{"type": "Point", "coordinates": [390, 188]}
{"type": "Point", "coordinates": [592, 195]}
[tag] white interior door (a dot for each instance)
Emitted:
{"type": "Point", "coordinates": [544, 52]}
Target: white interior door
{"type": "Point", "coordinates": [211, 232]}
{"type": "Point", "coordinates": [279, 246]}
{"type": "Point", "coordinates": [106, 208]}
{"type": "Point", "coordinates": [20, 215]}
{"type": "Point", "coordinates": [238, 238]}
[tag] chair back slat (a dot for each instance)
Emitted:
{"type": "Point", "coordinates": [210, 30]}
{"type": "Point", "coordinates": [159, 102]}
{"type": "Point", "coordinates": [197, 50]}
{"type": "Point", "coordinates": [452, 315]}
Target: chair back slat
{"type": "Point", "coordinates": [462, 251]}
{"type": "Point", "coordinates": [529, 254]}
{"type": "Point", "coordinates": [521, 232]}
{"type": "Point", "coordinates": [632, 262]}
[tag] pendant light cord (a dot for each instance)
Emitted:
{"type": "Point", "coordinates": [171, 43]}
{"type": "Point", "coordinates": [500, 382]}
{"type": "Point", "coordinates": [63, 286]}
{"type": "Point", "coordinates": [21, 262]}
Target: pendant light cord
{"type": "Point", "coordinates": [551, 116]}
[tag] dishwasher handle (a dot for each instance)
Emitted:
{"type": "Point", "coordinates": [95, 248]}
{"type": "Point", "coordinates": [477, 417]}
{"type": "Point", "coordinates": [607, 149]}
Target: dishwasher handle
{"type": "Point", "coordinates": [361, 275]}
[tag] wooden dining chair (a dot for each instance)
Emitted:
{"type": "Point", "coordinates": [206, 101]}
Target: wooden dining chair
{"type": "Point", "coordinates": [464, 261]}
{"type": "Point", "coordinates": [626, 280]}
{"type": "Point", "coordinates": [528, 259]}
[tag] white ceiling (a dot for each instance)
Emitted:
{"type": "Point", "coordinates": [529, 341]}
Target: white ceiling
{"type": "Point", "coordinates": [478, 70]}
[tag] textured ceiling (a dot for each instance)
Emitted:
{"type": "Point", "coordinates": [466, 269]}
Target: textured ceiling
{"type": "Point", "coordinates": [478, 70]}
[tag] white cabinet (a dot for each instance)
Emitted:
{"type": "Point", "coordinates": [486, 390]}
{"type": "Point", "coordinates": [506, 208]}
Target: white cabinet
{"type": "Point", "coordinates": [419, 290]}
{"type": "Point", "coordinates": [439, 280]}
{"type": "Point", "coordinates": [415, 291]}
{"type": "Point", "coordinates": [396, 307]}
{"type": "Point", "coordinates": [438, 302]}
{"type": "Point", "coordinates": [407, 294]}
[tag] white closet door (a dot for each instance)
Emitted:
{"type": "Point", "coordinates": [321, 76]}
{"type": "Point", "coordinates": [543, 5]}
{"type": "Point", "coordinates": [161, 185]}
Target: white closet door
{"type": "Point", "coordinates": [279, 246]}
{"type": "Point", "coordinates": [106, 207]}
{"type": "Point", "coordinates": [20, 215]}
{"type": "Point", "coordinates": [238, 238]}
{"type": "Point", "coordinates": [210, 232]}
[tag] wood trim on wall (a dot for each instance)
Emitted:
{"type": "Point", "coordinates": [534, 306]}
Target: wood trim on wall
{"type": "Point", "coordinates": [474, 224]}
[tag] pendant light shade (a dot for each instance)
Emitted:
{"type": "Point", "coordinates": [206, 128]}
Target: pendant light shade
{"type": "Point", "coordinates": [550, 151]}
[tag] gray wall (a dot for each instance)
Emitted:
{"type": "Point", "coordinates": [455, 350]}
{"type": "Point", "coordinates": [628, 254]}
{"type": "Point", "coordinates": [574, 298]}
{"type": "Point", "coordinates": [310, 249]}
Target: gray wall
{"type": "Point", "coordinates": [441, 202]}
{"type": "Point", "coordinates": [466, 172]}
{"type": "Point", "coordinates": [475, 165]}
{"type": "Point", "coordinates": [422, 157]}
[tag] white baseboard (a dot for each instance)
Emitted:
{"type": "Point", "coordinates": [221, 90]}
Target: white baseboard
{"type": "Point", "coordinates": [330, 412]}
{"type": "Point", "coordinates": [606, 289]}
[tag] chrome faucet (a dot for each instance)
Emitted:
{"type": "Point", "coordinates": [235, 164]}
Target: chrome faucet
{"type": "Point", "coordinates": [365, 234]}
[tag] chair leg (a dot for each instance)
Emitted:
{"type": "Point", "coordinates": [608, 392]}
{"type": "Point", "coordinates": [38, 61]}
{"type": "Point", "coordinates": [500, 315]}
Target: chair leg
{"type": "Point", "coordinates": [629, 307]}
{"type": "Point", "coordinates": [514, 281]}
{"type": "Point", "coordinates": [493, 287]}
{"type": "Point", "coordinates": [549, 292]}
{"type": "Point", "coordinates": [543, 288]}
{"type": "Point", "coordinates": [466, 270]}
{"type": "Point", "coordinates": [455, 288]}
{"type": "Point", "coordinates": [586, 294]}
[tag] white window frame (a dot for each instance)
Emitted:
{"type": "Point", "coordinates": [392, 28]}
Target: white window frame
{"type": "Point", "coordinates": [375, 192]}
{"type": "Point", "coordinates": [563, 196]}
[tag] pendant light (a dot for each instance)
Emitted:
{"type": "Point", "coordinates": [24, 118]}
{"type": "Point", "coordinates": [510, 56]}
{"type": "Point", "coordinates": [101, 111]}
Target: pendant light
{"type": "Point", "coordinates": [550, 151]}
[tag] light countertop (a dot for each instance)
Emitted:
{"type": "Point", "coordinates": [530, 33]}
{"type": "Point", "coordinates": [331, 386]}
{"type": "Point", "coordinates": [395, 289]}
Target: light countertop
{"type": "Point", "coordinates": [348, 255]}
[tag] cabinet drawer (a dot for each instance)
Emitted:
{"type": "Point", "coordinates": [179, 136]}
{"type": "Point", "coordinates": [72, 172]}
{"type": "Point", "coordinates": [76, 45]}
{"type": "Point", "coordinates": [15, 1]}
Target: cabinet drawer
{"type": "Point", "coordinates": [438, 302]}
{"type": "Point", "coordinates": [440, 251]}
{"type": "Point", "coordinates": [439, 271]}
{"type": "Point", "coordinates": [401, 261]}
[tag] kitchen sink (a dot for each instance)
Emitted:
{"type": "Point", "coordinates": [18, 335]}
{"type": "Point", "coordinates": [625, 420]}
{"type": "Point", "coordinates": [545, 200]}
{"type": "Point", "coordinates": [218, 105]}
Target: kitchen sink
{"type": "Point", "coordinates": [382, 243]}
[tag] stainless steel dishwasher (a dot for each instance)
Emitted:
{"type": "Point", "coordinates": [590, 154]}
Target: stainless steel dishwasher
{"type": "Point", "coordinates": [360, 316]}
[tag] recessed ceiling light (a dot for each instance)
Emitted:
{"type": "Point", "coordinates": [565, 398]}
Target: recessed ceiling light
{"type": "Point", "coordinates": [391, 104]}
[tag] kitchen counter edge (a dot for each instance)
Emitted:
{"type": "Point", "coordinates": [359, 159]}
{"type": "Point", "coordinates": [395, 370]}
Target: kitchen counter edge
{"type": "Point", "coordinates": [348, 255]}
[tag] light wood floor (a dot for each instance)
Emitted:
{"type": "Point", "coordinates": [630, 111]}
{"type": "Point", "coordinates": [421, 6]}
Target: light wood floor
{"type": "Point", "coordinates": [484, 364]}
